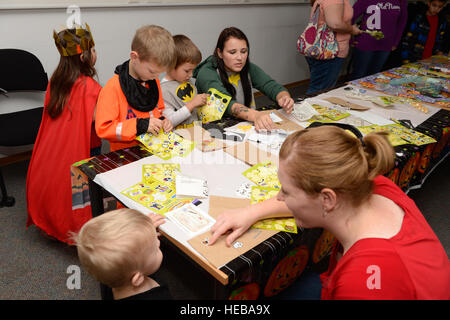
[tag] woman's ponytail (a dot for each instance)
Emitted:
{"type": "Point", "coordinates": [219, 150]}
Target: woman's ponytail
{"type": "Point", "coordinates": [379, 154]}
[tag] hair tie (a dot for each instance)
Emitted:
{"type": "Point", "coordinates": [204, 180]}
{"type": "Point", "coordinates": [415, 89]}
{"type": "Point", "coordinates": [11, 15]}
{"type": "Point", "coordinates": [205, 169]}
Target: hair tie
{"type": "Point", "coordinates": [344, 126]}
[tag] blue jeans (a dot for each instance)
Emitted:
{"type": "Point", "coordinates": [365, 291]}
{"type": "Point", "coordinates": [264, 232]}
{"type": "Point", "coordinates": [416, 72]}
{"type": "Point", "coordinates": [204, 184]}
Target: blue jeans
{"type": "Point", "coordinates": [366, 63]}
{"type": "Point", "coordinates": [324, 73]}
{"type": "Point", "coordinates": [306, 287]}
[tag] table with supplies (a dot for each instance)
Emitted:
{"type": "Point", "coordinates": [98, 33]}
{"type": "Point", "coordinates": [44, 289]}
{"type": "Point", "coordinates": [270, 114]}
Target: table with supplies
{"type": "Point", "coordinates": [193, 176]}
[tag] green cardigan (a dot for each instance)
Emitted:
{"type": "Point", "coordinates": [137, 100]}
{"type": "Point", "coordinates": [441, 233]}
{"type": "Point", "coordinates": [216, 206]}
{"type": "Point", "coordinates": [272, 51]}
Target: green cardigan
{"type": "Point", "coordinates": [207, 77]}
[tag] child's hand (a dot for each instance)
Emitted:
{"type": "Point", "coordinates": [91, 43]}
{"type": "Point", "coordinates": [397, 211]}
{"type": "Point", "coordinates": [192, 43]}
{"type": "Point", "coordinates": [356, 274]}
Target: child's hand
{"type": "Point", "coordinates": [198, 101]}
{"type": "Point", "coordinates": [154, 126]}
{"type": "Point", "coordinates": [157, 219]}
{"type": "Point", "coordinates": [167, 125]}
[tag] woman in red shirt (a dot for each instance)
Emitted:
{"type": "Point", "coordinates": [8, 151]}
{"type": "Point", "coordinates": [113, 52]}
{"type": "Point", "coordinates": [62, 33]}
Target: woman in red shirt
{"type": "Point", "coordinates": [331, 180]}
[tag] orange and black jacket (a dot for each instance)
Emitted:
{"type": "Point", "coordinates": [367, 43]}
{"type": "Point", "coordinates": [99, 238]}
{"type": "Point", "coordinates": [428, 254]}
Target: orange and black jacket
{"type": "Point", "coordinates": [115, 120]}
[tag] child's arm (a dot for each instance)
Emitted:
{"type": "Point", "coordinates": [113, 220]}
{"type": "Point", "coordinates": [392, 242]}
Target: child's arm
{"type": "Point", "coordinates": [176, 111]}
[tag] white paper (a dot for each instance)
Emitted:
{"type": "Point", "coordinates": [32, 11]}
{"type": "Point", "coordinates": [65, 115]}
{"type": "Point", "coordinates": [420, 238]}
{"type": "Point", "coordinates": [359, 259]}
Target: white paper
{"type": "Point", "coordinates": [304, 111]}
{"type": "Point", "coordinates": [187, 187]}
{"type": "Point", "coordinates": [371, 117]}
{"type": "Point", "coordinates": [275, 118]}
{"type": "Point", "coordinates": [191, 219]}
{"type": "Point", "coordinates": [272, 138]}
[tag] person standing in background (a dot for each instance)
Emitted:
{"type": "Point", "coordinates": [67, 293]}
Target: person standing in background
{"type": "Point", "coordinates": [390, 17]}
{"type": "Point", "coordinates": [427, 33]}
{"type": "Point", "coordinates": [337, 14]}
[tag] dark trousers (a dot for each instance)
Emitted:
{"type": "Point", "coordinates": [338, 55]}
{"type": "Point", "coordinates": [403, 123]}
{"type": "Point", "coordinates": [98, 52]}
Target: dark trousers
{"type": "Point", "coordinates": [366, 63]}
{"type": "Point", "coordinates": [323, 73]}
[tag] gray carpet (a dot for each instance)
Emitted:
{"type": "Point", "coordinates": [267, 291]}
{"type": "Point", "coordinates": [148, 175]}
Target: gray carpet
{"type": "Point", "coordinates": [34, 267]}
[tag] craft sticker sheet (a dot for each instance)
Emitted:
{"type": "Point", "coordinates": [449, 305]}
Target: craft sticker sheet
{"type": "Point", "coordinates": [264, 175]}
{"type": "Point", "coordinates": [399, 135]}
{"type": "Point", "coordinates": [164, 172]}
{"type": "Point", "coordinates": [282, 224]}
{"type": "Point", "coordinates": [191, 219]}
{"type": "Point", "coordinates": [328, 114]}
{"type": "Point", "coordinates": [215, 106]}
{"type": "Point", "coordinates": [156, 196]}
{"type": "Point", "coordinates": [166, 145]}
{"type": "Point", "coordinates": [393, 139]}
{"type": "Point", "coordinates": [259, 194]}
{"type": "Point", "coordinates": [408, 135]}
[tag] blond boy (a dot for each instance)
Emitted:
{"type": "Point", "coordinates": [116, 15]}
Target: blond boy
{"type": "Point", "coordinates": [178, 88]}
{"type": "Point", "coordinates": [131, 102]}
{"type": "Point", "coordinates": [120, 249]}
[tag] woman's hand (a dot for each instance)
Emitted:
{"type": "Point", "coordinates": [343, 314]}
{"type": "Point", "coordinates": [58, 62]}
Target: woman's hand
{"type": "Point", "coordinates": [263, 121]}
{"type": "Point", "coordinates": [240, 220]}
{"type": "Point", "coordinates": [237, 221]}
{"type": "Point", "coordinates": [285, 101]}
{"type": "Point", "coordinates": [355, 30]}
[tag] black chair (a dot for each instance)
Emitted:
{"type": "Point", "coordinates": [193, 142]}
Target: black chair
{"type": "Point", "coordinates": [21, 71]}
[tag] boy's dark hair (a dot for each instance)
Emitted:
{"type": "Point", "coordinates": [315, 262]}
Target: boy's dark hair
{"type": "Point", "coordinates": [186, 51]}
{"type": "Point", "coordinates": [442, 1]}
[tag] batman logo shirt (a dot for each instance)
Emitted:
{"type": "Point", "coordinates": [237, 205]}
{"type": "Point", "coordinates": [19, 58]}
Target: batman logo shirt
{"type": "Point", "coordinates": [186, 92]}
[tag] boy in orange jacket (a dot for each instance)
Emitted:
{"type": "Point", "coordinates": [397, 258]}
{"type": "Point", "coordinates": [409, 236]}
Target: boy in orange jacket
{"type": "Point", "coordinates": [131, 102]}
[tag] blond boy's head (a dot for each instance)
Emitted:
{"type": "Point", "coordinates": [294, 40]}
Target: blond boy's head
{"type": "Point", "coordinates": [114, 246]}
{"type": "Point", "coordinates": [155, 44]}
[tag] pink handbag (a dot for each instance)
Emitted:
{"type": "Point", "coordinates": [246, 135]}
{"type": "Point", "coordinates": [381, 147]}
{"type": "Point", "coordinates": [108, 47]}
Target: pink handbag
{"type": "Point", "coordinates": [317, 43]}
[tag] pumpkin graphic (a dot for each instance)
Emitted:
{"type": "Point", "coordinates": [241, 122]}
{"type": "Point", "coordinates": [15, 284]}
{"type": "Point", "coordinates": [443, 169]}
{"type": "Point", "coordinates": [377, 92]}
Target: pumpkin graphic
{"type": "Point", "coordinates": [426, 157]}
{"type": "Point", "coordinates": [287, 270]}
{"type": "Point", "coordinates": [247, 292]}
{"type": "Point", "coordinates": [393, 175]}
{"type": "Point", "coordinates": [323, 246]}
{"type": "Point", "coordinates": [408, 170]}
{"type": "Point", "coordinates": [442, 143]}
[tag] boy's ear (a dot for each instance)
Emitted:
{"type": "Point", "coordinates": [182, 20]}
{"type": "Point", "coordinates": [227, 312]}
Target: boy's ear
{"type": "Point", "coordinates": [137, 279]}
{"type": "Point", "coordinates": [134, 55]}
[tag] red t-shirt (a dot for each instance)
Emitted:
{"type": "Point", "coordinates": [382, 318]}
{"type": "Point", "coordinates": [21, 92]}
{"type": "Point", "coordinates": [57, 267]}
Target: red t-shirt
{"type": "Point", "coordinates": [428, 49]}
{"type": "Point", "coordinates": [411, 265]}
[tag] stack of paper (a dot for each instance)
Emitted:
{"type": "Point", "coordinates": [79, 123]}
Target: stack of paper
{"type": "Point", "coordinates": [188, 187]}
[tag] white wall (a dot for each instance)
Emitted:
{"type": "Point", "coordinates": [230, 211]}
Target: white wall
{"type": "Point", "coordinates": [272, 31]}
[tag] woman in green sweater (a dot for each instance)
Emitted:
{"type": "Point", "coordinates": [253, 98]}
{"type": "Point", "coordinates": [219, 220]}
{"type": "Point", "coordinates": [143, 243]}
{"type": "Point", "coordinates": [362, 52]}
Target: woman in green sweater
{"type": "Point", "coordinates": [230, 71]}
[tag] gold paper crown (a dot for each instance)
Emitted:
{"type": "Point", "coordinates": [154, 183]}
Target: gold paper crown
{"type": "Point", "coordinates": [71, 42]}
